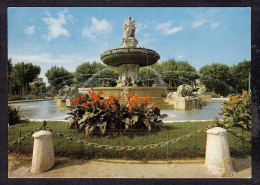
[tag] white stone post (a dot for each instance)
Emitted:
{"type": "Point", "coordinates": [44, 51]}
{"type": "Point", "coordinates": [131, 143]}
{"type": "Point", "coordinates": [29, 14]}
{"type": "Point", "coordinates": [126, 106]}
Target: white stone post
{"type": "Point", "coordinates": [43, 152]}
{"type": "Point", "coordinates": [218, 159]}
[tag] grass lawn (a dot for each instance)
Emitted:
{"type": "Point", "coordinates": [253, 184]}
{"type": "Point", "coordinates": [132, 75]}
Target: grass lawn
{"type": "Point", "coordinates": [192, 147]}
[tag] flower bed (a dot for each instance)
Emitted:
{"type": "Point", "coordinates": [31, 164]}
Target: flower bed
{"type": "Point", "coordinates": [94, 114]}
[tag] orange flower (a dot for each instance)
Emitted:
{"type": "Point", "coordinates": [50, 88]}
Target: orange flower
{"type": "Point", "coordinates": [92, 102]}
{"type": "Point", "coordinates": [130, 107]}
{"type": "Point", "coordinates": [146, 99]}
{"type": "Point", "coordinates": [102, 102]}
{"type": "Point", "coordinates": [111, 101]}
{"type": "Point", "coordinates": [91, 88]}
{"type": "Point", "coordinates": [94, 96]}
{"type": "Point", "coordinates": [128, 95]}
{"type": "Point", "coordinates": [88, 102]}
{"type": "Point", "coordinates": [111, 96]}
{"type": "Point", "coordinates": [18, 107]}
{"type": "Point", "coordinates": [118, 97]}
{"type": "Point", "coordinates": [100, 92]}
{"type": "Point", "coordinates": [83, 96]}
{"type": "Point", "coordinates": [244, 94]}
{"type": "Point", "coordinates": [154, 105]}
{"type": "Point", "coordinates": [83, 104]}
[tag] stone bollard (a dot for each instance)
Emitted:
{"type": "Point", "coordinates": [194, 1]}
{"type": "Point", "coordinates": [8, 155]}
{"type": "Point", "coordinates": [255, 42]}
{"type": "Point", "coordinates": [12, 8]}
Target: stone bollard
{"type": "Point", "coordinates": [218, 159]}
{"type": "Point", "coordinates": [43, 152]}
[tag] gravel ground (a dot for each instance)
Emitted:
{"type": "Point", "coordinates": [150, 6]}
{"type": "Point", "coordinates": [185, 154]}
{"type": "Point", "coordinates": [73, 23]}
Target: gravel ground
{"type": "Point", "coordinates": [19, 167]}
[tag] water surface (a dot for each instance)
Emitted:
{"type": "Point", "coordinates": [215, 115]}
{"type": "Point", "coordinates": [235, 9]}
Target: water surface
{"type": "Point", "coordinates": [48, 110]}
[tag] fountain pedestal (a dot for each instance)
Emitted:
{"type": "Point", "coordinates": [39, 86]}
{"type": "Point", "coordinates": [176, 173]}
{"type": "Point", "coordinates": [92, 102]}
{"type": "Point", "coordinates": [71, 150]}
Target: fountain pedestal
{"type": "Point", "coordinates": [128, 74]}
{"type": "Point", "coordinates": [129, 43]}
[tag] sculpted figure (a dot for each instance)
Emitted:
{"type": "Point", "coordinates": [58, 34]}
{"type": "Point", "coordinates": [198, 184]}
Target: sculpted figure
{"type": "Point", "coordinates": [129, 28]}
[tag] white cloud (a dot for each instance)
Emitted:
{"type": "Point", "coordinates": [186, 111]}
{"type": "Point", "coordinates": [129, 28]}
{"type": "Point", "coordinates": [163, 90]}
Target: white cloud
{"type": "Point", "coordinates": [46, 58]}
{"type": "Point", "coordinates": [104, 47]}
{"type": "Point", "coordinates": [143, 42]}
{"type": "Point", "coordinates": [198, 24]}
{"type": "Point", "coordinates": [167, 28]}
{"type": "Point", "coordinates": [214, 25]}
{"type": "Point", "coordinates": [97, 28]}
{"type": "Point", "coordinates": [30, 30]}
{"type": "Point", "coordinates": [180, 57]}
{"type": "Point", "coordinates": [140, 27]}
{"type": "Point", "coordinates": [55, 25]}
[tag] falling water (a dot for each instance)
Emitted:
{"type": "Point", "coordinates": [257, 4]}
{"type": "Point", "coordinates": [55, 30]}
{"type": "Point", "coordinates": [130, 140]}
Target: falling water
{"type": "Point", "coordinates": [158, 75]}
{"type": "Point", "coordinates": [96, 75]}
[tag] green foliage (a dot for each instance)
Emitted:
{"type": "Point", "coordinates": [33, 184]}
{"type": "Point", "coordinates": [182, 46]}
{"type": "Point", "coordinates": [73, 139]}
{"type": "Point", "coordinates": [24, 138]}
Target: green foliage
{"type": "Point", "coordinates": [189, 148]}
{"type": "Point", "coordinates": [93, 113]}
{"type": "Point", "coordinates": [213, 94]}
{"type": "Point", "coordinates": [237, 111]}
{"type": "Point", "coordinates": [59, 77]}
{"type": "Point", "coordinates": [19, 77]}
{"type": "Point", "coordinates": [217, 78]}
{"type": "Point", "coordinates": [178, 73]}
{"type": "Point", "coordinates": [86, 70]}
{"type": "Point", "coordinates": [13, 115]}
{"type": "Point", "coordinates": [240, 75]}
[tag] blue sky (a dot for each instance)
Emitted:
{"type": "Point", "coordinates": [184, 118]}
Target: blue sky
{"type": "Point", "coordinates": [70, 36]}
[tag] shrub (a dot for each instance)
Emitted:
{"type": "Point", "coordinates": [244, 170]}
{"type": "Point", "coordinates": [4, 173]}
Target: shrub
{"type": "Point", "coordinates": [13, 115]}
{"type": "Point", "coordinates": [213, 94]}
{"type": "Point", "coordinates": [93, 113]}
{"type": "Point", "coordinates": [237, 111]}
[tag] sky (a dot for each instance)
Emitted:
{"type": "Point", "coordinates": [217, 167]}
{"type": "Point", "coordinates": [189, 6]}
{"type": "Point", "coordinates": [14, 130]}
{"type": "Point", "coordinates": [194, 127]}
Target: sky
{"type": "Point", "coordinates": [70, 36]}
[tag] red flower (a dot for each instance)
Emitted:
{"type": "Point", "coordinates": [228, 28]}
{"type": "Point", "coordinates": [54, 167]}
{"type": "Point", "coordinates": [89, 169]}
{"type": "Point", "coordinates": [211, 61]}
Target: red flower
{"type": "Point", "coordinates": [83, 97]}
{"type": "Point", "coordinates": [111, 96]}
{"type": "Point", "coordinates": [128, 95]}
{"type": "Point", "coordinates": [100, 92]}
{"type": "Point", "coordinates": [154, 105]}
{"type": "Point", "coordinates": [118, 97]}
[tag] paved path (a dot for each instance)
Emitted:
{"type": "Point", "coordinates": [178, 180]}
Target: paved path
{"type": "Point", "coordinates": [19, 167]}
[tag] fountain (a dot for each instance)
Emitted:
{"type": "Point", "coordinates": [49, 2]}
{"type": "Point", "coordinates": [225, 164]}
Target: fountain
{"type": "Point", "coordinates": [186, 99]}
{"type": "Point", "coordinates": [128, 60]}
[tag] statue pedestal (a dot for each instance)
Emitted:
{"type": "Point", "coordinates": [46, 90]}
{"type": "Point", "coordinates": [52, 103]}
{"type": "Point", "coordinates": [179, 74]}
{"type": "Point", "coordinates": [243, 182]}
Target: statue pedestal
{"type": "Point", "coordinates": [128, 72]}
{"type": "Point", "coordinates": [129, 43]}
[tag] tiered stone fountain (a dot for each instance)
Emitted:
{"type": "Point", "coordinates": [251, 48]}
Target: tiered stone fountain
{"type": "Point", "coordinates": [128, 60]}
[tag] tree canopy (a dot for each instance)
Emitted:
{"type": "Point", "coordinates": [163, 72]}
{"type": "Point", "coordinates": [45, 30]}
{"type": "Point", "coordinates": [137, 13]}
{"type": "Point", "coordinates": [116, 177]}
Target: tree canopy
{"type": "Point", "coordinates": [20, 75]}
{"type": "Point", "coordinates": [59, 77]}
{"type": "Point", "coordinates": [87, 70]}
{"type": "Point", "coordinates": [172, 72]}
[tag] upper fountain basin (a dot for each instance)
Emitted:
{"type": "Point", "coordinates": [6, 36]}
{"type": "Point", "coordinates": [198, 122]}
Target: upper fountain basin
{"type": "Point", "coordinates": [139, 56]}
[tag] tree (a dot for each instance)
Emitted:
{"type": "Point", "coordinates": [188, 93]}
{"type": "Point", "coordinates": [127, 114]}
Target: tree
{"type": "Point", "coordinates": [240, 75]}
{"type": "Point", "coordinates": [87, 70]}
{"type": "Point", "coordinates": [37, 87]}
{"type": "Point", "coordinates": [59, 77]}
{"type": "Point", "coordinates": [10, 80]}
{"type": "Point", "coordinates": [22, 74]}
{"type": "Point", "coordinates": [178, 73]}
{"type": "Point", "coordinates": [217, 78]}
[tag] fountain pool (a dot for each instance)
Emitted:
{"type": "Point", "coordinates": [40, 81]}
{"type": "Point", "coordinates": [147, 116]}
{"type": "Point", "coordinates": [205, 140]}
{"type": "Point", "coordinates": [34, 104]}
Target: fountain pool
{"type": "Point", "coordinates": [47, 110]}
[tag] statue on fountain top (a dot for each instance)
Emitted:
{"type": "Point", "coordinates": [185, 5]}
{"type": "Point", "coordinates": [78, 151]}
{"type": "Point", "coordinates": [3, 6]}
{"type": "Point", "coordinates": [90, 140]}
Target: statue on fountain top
{"type": "Point", "coordinates": [129, 28]}
{"type": "Point", "coordinates": [129, 40]}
